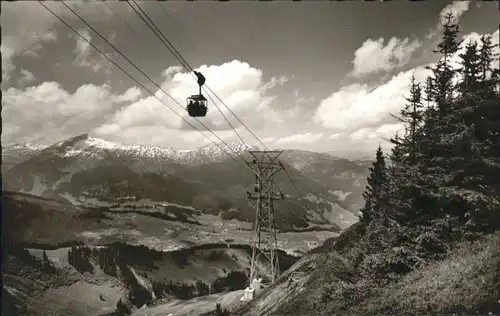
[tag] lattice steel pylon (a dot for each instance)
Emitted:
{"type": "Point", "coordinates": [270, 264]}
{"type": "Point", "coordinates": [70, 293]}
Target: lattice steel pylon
{"type": "Point", "coordinates": [265, 165]}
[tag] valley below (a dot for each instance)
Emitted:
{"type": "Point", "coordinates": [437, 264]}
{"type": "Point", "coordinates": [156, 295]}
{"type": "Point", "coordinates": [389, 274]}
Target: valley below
{"type": "Point", "coordinates": [92, 230]}
{"type": "Point", "coordinates": [87, 260]}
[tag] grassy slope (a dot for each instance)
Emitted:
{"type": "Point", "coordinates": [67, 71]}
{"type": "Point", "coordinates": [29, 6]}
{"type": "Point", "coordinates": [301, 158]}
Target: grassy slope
{"type": "Point", "coordinates": [68, 292]}
{"type": "Point", "coordinates": [32, 219]}
{"type": "Point", "coordinates": [60, 292]}
{"type": "Point", "coordinates": [195, 306]}
{"type": "Point", "coordinates": [466, 280]}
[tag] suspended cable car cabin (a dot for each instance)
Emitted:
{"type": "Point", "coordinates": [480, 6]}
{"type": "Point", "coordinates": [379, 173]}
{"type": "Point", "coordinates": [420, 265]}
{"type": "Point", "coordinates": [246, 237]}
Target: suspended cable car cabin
{"type": "Point", "coordinates": [197, 103]}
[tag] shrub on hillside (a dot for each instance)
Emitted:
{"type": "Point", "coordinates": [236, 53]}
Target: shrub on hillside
{"type": "Point", "coordinates": [235, 280]}
{"type": "Point", "coordinates": [122, 309]}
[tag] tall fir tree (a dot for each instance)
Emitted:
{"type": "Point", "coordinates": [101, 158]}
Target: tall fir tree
{"type": "Point", "coordinates": [469, 69]}
{"type": "Point", "coordinates": [441, 120]}
{"type": "Point", "coordinates": [430, 120]}
{"type": "Point", "coordinates": [428, 88]}
{"type": "Point", "coordinates": [486, 57]}
{"type": "Point", "coordinates": [397, 153]}
{"type": "Point", "coordinates": [376, 191]}
{"type": "Point", "coordinates": [412, 116]}
{"type": "Point", "coordinates": [464, 165]}
{"type": "Point", "coordinates": [444, 72]}
{"type": "Point", "coordinates": [482, 170]}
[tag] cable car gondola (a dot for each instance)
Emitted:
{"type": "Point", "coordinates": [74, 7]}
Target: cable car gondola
{"type": "Point", "coordinates": [197, 103]}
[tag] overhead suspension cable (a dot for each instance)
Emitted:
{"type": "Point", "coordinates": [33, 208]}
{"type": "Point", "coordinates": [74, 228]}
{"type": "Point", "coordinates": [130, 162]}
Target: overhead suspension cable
{"type": "Point", "coordinates": [186, 65]}
{"type": "Point", "coordinates": [300, 195]}
{"type": "Point", "coordinates": [123, 20]}
{"type": "Point", "coordinates": [291, 179]}
{"type": "Point", "coordinates": [178, 56]}
{"type": "Point", "coordinates": [208, 88]}
{"type": "Point", "coordinates": [189, 67]}
{"type": "Point", "coordinates": [135, 80]}
{"type": "Point", "coordinates": [144, 74]}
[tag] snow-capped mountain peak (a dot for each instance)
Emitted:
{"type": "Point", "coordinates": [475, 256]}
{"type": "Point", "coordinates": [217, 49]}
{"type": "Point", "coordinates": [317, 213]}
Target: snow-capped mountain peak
{"type": "Point", "coordinates": [30, 146]}
{"type": "Point", "coordinates": [101, 143]}
{"type": "Point", "coordinates": [86, 146]}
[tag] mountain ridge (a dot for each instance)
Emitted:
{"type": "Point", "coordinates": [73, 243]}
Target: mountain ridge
{"type": "Point", "coordinates": [88, 171]}
{"type": "Point", "coordinates": [155, 150]}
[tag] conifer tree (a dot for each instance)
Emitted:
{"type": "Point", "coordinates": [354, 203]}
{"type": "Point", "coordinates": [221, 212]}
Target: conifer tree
{"type": "Point", "coordinates": [397, 157]}
{"type": "Point", "coordinates": [412, 116]}
{"type": "Point", "coordinates": [375, 194]}
{"type": "Point", "coordinates": [469, 69]}
{"type": "Point", "coordinates": [486, 57]}
{"type": "Point", "coordinates": [466, 129]}
{"type": "Point", "coordinates": [449, 44]}
{"type": "Point", "coordinates": [430, 119]}
{"type": "Point", "coordinates": [443, 72]}
{"type": "Point", "coordinates": [441, 120]}
{"type": "Point", "coordinates": [428, 88]}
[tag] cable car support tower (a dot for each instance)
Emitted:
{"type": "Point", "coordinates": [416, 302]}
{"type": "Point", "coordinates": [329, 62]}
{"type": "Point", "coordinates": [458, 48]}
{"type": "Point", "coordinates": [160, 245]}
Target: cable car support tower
{"type": "Point", "coordinates": [265, 165]}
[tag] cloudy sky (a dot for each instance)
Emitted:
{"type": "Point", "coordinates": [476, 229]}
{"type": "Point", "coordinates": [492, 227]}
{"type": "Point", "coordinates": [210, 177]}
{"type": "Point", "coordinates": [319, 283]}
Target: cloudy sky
{"type": "Point", "coordinates": [320, 76]}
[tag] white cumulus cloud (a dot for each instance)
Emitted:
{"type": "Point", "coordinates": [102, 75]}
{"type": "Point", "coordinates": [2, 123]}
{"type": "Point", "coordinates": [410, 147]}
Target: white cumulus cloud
{"type": "Point", "coordinates": [239, 85]}
{"type": "Point", "coordinates": [364, 112]}
{"type": "Point", "coordinates": [57, 112]}
{"type": "Point", "coordinates": [26, 38]}
{"type": "Point", "coordinates": [27, 77]}
{"type": "Point", "coordinates": [457, 8]}
{"type": "Point", "coordinates": [134, 116]}
{"type": "Point", "coordinates": [359, 105]}
{"type": "Point", "coordinates": [86, 55]}
{"type": "Point", "coordinates": [7, 65]}
{"type": "Point", "coordinates": [305, 138]}
{"type": "Point", "coordinates": [380, 133]}
{"type": "Point", "coordinates": [373, 56]}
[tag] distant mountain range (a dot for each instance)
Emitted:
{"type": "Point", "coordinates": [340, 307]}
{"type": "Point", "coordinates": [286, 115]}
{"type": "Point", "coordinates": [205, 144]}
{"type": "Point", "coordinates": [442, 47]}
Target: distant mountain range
{"type": "Point", "coordinates": [354, 155]}
{"type": "Point", "coordinates": [90, 171]}
{"type": "Point", "coordinates": [14, 154]}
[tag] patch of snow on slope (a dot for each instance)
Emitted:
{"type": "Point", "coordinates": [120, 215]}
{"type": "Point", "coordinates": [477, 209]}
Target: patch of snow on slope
{"type": "Point", "coordinates": [14, 292]}
{"type": "Point", "coordinates": [65, 179]}
{"type": "Point", "coordinates": [312, 198]}
{"type": "Point", "coordinates": [93, 202]}
{"type": "Point", "coordinates": [33, 146]}
{"type": "Point", "coordinates": [72, 152]}
{"type": "Point", "coordinates": [101, 143]}
{"type": "Point", "coordinates": [38, 187]}
{"type": "Point", "coordinates": [340, 194]}
{"type": "Point", "coordinates": [292, 252]}
{"type": "Point", "coordinates": [142, 283]}
{"type": "Point", "coordinates": [70, 198]}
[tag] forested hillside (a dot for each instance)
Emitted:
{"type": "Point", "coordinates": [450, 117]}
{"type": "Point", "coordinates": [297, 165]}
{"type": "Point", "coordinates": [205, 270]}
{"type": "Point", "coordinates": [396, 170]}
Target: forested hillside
{"type": "Point", "coordinates": [429, 237]}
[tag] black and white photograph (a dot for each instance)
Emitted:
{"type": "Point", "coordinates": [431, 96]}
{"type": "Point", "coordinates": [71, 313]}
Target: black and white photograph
{"type": "Point", "coordinates": [250, 158]}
